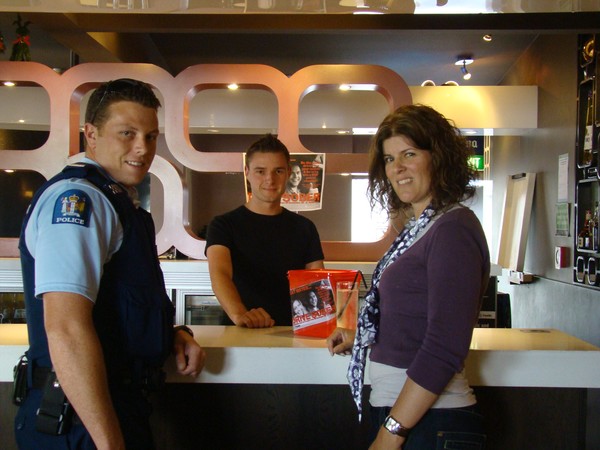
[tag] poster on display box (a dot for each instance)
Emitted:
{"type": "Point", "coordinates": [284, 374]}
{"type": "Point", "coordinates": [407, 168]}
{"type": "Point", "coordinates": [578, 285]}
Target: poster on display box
{"type": "Point", "coordinates": [304, 188]}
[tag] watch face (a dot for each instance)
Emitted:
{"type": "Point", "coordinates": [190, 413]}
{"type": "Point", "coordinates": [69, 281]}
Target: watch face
{"type": "Point", "coordinates": [395, 427]}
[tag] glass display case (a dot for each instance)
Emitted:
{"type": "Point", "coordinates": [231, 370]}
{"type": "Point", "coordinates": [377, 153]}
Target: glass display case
{"type": "Point", "coordinates": [12, 307]}
{"type": "Point", "coordinates": [202, 309]}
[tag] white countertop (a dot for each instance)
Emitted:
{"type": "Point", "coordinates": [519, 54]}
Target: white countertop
{"type": "Point", "coordinates": [498, 357]}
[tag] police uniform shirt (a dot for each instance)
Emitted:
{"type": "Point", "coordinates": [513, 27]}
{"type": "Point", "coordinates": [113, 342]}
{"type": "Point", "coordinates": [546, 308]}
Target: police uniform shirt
{"type": "Point", "coordinates": [73, 231]}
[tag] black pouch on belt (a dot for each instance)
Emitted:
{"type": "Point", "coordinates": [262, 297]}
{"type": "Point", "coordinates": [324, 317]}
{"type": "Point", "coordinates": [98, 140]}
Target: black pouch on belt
{"type": "Point", "coordinates": [20, 381]}
{"type": "Point", "coordinates": [55, 414]}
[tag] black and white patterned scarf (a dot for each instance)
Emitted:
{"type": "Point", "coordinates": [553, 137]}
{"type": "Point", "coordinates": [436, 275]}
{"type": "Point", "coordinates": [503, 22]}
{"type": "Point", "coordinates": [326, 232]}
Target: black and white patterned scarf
{"type": "Point", "coordinates": [368, 318]}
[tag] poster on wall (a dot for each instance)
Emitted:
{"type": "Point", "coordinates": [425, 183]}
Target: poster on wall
{"type": "Point", "coordinates": [563, 178]}
{"type": "Point", "coordinates": [304, 187]}
{"type": "Point", "coordinates": [562, 219]}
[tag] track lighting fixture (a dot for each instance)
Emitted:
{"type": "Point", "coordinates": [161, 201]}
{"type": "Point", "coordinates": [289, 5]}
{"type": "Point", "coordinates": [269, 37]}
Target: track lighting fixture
{"type": "Point", "coordinates": [463, 61]}
{"type": "Point", "coordinates": [465, 72]}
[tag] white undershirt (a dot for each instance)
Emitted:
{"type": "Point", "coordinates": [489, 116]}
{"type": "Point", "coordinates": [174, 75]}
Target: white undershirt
{"type": "Point", "coordinates": [387, 382]}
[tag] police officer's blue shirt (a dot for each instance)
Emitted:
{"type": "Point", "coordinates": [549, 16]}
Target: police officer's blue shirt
{"type": "Point", "coordinates": [73, 231]}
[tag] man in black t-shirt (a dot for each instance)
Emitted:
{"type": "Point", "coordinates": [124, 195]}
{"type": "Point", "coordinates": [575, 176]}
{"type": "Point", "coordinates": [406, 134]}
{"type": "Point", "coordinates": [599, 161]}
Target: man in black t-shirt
{"type": "Point", "coordinates": [251, 248]}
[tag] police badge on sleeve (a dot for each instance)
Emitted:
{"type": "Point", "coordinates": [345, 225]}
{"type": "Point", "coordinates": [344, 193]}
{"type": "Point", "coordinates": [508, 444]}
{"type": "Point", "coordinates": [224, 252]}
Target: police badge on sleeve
{"type": "Point", "coordinates": [72, 206]}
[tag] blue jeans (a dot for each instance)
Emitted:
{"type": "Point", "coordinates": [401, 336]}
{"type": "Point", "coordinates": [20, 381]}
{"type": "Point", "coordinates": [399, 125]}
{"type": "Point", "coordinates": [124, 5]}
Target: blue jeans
{"type": "Point", "coordinates": [452, 428]}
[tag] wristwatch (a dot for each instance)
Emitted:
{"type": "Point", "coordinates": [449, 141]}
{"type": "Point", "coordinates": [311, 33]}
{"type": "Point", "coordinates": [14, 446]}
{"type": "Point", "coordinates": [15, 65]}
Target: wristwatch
{"type": "Point", "coordinates": [188, 330]}
{"type": "Point", "coordinates": [395, 427]}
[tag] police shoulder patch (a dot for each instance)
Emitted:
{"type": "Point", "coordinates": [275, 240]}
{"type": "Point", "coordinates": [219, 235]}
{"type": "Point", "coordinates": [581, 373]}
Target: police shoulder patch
{"type": "Point", "coordinates": [73, 206]}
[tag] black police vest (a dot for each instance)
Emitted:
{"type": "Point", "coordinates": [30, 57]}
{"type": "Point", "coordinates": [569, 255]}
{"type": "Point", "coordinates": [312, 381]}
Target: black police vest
{"type": "Point", "coordinates": [133, 315]}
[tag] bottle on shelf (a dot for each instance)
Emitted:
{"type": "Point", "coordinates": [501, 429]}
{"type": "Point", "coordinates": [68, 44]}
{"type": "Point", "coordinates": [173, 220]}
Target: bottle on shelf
{"type": "Point", "coordinates": [587, 51]}
{"type": "Point", "coordinates": [586, 157]}
{"type": "Point", "coordinates": [595, 244]}
{"type": "Point", "coordinates": [584, 238]}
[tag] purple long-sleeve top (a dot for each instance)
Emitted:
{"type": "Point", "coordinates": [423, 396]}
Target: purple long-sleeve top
{"type": "Point", "coordinates": [430, 299]}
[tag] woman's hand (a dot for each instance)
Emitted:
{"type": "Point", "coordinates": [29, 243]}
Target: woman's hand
{"type": "Point", "coordinates": [386, 441]}
{"type": "Point", "coordinates": [340, 341]}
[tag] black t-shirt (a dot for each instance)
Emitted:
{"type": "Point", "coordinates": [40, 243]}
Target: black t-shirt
{"type": "Point", "coordinates": [263, 248]}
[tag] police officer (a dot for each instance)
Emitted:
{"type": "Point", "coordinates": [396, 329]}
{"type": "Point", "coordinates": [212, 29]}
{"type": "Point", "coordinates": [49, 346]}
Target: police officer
{"type": "Point", "coordinates": [98, 316]}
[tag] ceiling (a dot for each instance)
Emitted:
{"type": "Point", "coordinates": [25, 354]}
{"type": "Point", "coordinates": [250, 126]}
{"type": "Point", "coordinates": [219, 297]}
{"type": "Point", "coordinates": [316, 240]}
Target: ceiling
{"type": "Point", "coordinates": [418, 46]}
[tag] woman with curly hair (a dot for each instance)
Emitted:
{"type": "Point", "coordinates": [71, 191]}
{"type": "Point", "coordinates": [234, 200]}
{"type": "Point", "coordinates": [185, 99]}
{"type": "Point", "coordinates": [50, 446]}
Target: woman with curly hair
{"type": "Point", "coordinates": [418, 317]}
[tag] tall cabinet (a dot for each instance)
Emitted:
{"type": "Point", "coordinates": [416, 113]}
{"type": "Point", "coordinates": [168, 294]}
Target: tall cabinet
{"type": "Point", "coordinates": [587, 251]}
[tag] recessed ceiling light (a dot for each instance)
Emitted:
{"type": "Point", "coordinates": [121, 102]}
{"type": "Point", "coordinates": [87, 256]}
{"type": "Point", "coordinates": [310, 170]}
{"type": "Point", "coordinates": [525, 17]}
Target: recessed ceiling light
{"type": "Point", "coordinates": [487, 37]}
{"type": "Point", "coordinates": [232, 86]}
{"type": "Point", "coordinates": [9, 83]}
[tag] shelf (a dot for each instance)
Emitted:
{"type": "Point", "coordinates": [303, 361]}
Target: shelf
{"type": "Point", "coordinates": [587, 189]}
{"type": "Point", "coordinates": [589, 177]}
{"type": "Point", "coordinates": [585, 250]}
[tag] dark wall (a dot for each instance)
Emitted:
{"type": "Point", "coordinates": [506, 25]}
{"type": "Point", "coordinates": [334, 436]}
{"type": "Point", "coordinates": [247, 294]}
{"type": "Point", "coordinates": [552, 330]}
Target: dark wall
{"type": "Point", "coordinates": [22, 140]}
{"type": "Point", "coordinates": [16, 191]}
{"type": "Point", "coordinates": [17, 188]}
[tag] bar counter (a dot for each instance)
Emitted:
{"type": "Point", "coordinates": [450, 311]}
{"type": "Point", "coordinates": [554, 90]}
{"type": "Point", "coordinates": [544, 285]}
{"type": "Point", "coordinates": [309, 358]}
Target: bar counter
{"type": "Point", "coordinates": [501, 357]}
{"type": "Point", "coordinates": [268, 386]}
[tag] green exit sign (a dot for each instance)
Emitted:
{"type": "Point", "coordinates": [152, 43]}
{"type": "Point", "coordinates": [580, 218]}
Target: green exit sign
{"type": "Point", "coordinates": [476, 161]}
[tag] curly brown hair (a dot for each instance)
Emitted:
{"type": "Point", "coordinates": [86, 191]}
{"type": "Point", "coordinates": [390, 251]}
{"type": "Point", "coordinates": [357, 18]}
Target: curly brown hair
{"type": "Point", "coordinates": [428, 130]}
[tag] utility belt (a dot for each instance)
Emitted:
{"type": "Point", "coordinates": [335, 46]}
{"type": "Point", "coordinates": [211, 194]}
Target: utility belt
{"type": "Point", "coordinates": [55, 416]}
{"type": "Point", "coordinates": [148, 379]}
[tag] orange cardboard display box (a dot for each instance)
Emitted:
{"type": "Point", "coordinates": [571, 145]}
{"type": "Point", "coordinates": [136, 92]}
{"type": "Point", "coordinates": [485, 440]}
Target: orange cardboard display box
{"type": "Point", "coordinates": [312, 299]}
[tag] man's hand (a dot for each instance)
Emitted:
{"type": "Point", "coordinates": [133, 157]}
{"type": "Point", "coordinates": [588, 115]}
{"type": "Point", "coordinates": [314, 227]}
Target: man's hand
{"type": "Point", "coordinates": [254, 318]}
{"type": "Point", "coordinates": [189, 356]}
{"type": "Point", "coordinates": [340, 341]}
{"type": "Point", "coordinates": [221, 278]}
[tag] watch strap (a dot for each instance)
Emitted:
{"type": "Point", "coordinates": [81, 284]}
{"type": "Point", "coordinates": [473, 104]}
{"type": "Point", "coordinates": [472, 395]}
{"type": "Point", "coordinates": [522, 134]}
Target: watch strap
{"type": "Point", "coordinates": [395, 427]}
{"type": "Point", "coordinates": [185, 328]}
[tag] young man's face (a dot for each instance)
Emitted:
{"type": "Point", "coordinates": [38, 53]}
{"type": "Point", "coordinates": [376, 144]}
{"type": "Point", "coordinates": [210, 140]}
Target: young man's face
{"type": "Point", "coordinates": [125, 144]}
{"type": "Point", "coordinates": [267, 174]}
